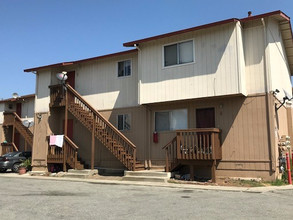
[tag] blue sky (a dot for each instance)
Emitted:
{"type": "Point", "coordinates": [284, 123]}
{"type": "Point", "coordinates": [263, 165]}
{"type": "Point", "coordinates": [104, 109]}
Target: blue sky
{"type": "Point", "coordinates": [41, 32]}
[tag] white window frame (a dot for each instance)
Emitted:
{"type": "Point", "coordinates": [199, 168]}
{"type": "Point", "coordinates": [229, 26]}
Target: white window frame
{"type": "Point", "coordinates": [178, 64]}
{"type": "Point", "coordinates": [123, 126]}
{"type": "Point", "coordinates": [117, 68]}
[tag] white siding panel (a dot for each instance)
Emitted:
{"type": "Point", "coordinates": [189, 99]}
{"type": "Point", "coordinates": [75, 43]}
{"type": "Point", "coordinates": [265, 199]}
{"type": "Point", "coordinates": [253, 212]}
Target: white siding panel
{"type": "Point", "coordinates": [99, 84]}
{"type": "Point", "coordinates": [254, 54]}
{"type": "Point", "coordinates": [279, 67]}
{"type": "Point", "coordinates": [27, 109]}
{"type": "Point", "coordinates": [42, 91]}
{"type": "Point", "coordinates": [2, 109]}
{"type": "Point", "coordinates": [213, 73]}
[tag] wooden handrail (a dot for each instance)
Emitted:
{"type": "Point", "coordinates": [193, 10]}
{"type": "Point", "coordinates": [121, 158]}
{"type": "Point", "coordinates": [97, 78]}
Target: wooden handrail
{"type": "Point", "coordinates": [56, 154]}
{"type": "Point", "coordinates": [168, 143]}
{"type": "Point", "coordinates": [12, 118]}
{"type": "Point", "coordinates": [14, 146]}
{"type": "Point", "coordinates": [6, 147]}
{"type": "Point", "coordinates": [171, 153]}
{"type": "Point", "coordinates": [69, 88]}
{"type": "Point", "coordinates": [214, 130]}
{"type": "Point", "coordinates": [70, 142]}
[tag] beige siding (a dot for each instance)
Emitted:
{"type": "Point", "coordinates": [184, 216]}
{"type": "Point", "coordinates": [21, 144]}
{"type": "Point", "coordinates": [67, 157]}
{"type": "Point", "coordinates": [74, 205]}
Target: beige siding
{"type": "Point", "coordinates": [42, 100]}
{"type": "Point", "coordinates": [100, 85]}
{"type": "Point", "coordinates": [253, 39]}
{"type": "Point", "coordinates": [213, 73]}
{"type": "Point", "coordinates": [278, 64]}
{"type": "Point", "coordinates": [244, 134]}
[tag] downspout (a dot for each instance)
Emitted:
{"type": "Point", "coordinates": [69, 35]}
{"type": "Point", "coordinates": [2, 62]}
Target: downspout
{"type": "Point", "coordinates": [269, 112]}
{"type": "Point", "coordinates": [147, 153]}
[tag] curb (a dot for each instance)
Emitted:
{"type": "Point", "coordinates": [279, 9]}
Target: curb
{"type": "Point", "coordinates": [165, 185]}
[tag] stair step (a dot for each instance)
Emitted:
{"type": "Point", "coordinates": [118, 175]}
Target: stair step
{"type": "Point", "coordinates": [148, 173]}
{"type": "Point", "coordinates": [83, 172]}
{"type": "Point", "coordinates": [146, 176]}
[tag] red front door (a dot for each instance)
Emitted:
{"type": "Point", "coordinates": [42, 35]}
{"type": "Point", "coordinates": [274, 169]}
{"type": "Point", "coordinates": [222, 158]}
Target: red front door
{"type": "Point", "coordinates": [205, 118]}
{"type": "Point", "coordinates": [69, 128]}
{"type": "Point", "coordinates": [71, 79]}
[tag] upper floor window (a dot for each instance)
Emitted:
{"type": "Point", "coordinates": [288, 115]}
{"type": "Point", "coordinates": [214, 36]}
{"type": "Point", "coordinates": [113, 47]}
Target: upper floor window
{"type": "Point", "coordinates": [124, 68]}
{"type": "Point", "coordinates": [123, 122]}
{"type": "Point", "coordinates": [178, 53]}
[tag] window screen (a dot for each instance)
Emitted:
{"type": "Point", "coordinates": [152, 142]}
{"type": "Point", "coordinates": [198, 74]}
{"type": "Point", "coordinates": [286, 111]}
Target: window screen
{"type": "Point", "coordinates": [162, 122]}
{"type": "Point", "coordinates": [179, 53]}
{"type": "Point", "coordinates": [124, 68]}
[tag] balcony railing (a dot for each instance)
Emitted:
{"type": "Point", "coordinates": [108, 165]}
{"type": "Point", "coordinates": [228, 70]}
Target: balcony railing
{"type": "Point", "coordinates": [193, 144]}
{"type": "Point", "coordinates": [57, 96]}
{"type": "Point", "coordinates": [8, 147]}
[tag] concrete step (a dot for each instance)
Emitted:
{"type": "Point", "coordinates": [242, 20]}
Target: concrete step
{"type": "Point", "coordinates": [148, 173]}
{"type": "Point", "coordinates": [76, 175]}
{"type": "Point", "coordinates": [146, 179]}
{"type": "Point", "coordinates": [88, 172]}
{"type": "Point", "coordinates": [146, 176]}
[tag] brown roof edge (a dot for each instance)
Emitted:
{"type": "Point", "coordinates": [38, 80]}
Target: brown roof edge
{"type": "Point", "coordinates": [131, 44]}
{"type": "Point", "coordinates": [266, 15]}
{"type": "Point", "coordinates": [80, 61]}
{"type": "Point", "coordinates": [30, 96]}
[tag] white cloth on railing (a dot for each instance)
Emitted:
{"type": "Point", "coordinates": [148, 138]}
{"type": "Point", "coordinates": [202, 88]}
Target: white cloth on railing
{"type": "Point", "coordinates": [56, 140]}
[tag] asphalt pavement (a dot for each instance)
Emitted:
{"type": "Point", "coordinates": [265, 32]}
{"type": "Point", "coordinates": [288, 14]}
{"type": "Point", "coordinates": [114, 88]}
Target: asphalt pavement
{"type": "Point", "coordinates": [26, 197]}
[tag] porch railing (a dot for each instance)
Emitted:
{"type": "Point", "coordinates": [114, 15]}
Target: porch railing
{"type": "Point", "coordinates": [193, 144]}
{"type": "Point", "coordinates": [66, 154]}
{"type": "Point", "coordinates": [57, 95]}
{"type": "Point", "coordinates": [8, 147]}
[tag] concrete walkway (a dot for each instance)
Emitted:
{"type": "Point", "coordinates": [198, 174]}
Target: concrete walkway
{"type": "Point", "coordinates": [155, 184]}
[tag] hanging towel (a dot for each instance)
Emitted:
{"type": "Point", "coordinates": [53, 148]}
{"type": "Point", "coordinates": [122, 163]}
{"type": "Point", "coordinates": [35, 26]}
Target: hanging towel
{"type": "Point", "coordinates": [59, 140]}
{"type": "Point", "coordinates": [56, 140]}
{"type": "Point", "coordinates": [52, 140]}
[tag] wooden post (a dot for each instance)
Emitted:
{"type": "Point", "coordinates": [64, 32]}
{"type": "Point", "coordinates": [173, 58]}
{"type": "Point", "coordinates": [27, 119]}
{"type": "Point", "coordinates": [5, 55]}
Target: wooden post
{"type": "Point", "coordinates": [75, 159]}
{"type": "Point", "coordinates": [93, 143]}
{"type": "Point", "coordinates": [13, 130]}
{"type": "Point", "coordinates": [134, 160]}
{"type": "Point", "coordinates": [167, 160]}
{"type": "Point", "coordinates": [191, 167]}
{"type": "Point", "coordinates": [214, 171]}
{"type": "Point", "coordinates": [178, 145]}
{"type": "Point", "coordinates": [65, 128]}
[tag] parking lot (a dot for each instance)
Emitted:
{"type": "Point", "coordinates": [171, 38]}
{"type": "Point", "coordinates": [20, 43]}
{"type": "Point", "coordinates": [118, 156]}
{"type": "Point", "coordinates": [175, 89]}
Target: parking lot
{"type": "Point", "coordinates": [53, 199]}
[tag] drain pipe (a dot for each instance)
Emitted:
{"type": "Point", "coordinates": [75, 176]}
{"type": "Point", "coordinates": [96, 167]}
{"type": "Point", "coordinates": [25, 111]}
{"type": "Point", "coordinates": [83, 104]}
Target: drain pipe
{"type": "Point", "coordinates": [269, 112]}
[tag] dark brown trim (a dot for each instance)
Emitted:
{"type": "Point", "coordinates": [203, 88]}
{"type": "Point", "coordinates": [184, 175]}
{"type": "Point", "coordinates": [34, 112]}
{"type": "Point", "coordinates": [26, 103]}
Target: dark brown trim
{"type": "Point", "coordinates": [81, 61]}
{"type": "Point", "coordinates": [132, 43]}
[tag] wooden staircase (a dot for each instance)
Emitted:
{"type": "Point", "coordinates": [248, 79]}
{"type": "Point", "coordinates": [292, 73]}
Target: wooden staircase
{"type": "Point", "coordinates": [8, 147]}
{"type": "Point", "coordinates": [122, 148]}
{"type": "Point", "coordinates": [12, 119]}
{"type": "Point", "coordinates": [66, 155]}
